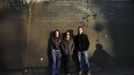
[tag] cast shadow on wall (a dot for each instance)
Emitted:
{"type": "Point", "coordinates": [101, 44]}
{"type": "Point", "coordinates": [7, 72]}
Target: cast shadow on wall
{"type": "Point", "coordinates": [49, 50]}
{"type": "Point", "coordinates": [101, 58]}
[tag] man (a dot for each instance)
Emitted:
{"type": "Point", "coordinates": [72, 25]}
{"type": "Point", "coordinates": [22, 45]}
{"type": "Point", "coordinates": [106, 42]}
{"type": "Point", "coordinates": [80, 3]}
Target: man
{"type": "Point", "coordinates": [81, 45]}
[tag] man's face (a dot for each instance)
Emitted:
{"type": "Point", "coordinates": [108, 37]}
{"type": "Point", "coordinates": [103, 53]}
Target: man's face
{"type": "Point", "coordinates": [80, 30]}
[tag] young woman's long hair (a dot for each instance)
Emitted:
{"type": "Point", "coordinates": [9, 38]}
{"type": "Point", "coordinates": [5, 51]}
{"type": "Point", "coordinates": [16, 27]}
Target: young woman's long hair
{"type": "Point", "coordinates": [54, 35]}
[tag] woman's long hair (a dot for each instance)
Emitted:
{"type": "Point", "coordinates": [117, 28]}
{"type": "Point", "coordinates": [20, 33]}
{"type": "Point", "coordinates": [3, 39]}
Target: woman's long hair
{"type": "Point", "coordinates": [54, 35]}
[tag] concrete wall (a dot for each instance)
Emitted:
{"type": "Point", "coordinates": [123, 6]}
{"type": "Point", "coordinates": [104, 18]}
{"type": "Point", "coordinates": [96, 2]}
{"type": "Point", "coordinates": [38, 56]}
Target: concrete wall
{"type": "Point", "coordinates": [24, 40]}
{"type": "Point", "coordinates": [62, 15]}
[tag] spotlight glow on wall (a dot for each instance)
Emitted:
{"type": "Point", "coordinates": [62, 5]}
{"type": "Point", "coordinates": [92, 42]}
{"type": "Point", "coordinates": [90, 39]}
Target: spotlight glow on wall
{"type": "Point", "coordinates": [33, 1]}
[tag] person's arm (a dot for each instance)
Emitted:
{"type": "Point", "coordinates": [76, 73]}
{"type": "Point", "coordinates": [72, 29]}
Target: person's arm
{"type": "Point", "coordinates": [75, 43]}
{"type": "Point", "coordinates": [62, 46]}
{"type": "Point", "coordinates": [73, 46]}
{"type": "Point", "coordinates": [87, 42]}
{"type": "Point", "coordinates": [51, 45]}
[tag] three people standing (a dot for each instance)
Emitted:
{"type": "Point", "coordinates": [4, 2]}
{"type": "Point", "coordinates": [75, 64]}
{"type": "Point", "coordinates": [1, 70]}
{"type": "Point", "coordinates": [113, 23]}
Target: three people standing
{"type": "Point", "coordinates": [65, 47]}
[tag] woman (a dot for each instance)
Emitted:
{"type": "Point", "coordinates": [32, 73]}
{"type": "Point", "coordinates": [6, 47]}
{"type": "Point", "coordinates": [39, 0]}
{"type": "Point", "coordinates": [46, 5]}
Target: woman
{"type": "Point", "coordinates": [68, 47]}
{"type": "Point", "coordinates": [56, 52]}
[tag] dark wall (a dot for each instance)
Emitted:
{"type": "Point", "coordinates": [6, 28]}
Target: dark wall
{"type": "Point", "coordinates": [120, 25]}
{"type": "Point", "coordinates": [12, 39]}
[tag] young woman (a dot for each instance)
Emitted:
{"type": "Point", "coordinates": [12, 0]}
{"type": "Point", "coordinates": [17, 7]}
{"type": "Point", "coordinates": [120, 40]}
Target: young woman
{"type": "Point", "coordinates": [56, 52]}
{"type": "Point", "coordinates": [68, 47]}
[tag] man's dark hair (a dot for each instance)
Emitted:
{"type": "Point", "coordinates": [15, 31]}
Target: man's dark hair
{"type": "Point", "coordinates": [80, 27]}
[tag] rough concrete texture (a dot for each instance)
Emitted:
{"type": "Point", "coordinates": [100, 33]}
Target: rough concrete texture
{"type": "Point", "coordinates": [25, 30]}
